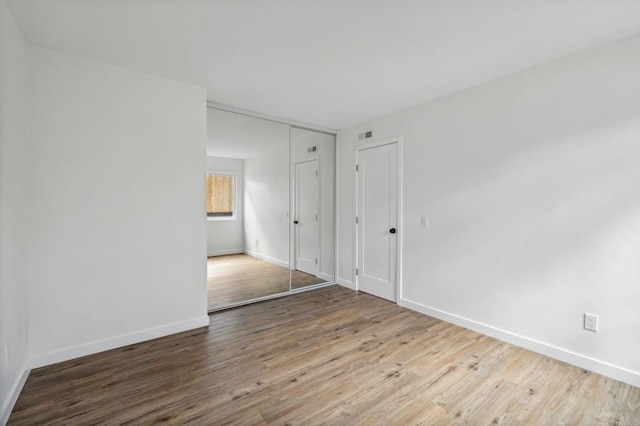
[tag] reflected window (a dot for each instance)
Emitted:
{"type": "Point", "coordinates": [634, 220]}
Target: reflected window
{"type": "Point", "coordinates": [221, 196]}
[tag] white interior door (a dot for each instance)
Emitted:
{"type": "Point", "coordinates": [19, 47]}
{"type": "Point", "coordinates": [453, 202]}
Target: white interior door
{"type": "Point", "coordinates": [377, 210]}
{"type": "Point", "coordinates": [306, 205]}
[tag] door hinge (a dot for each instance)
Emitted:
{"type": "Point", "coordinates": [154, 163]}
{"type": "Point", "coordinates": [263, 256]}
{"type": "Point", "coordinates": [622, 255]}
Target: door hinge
{"type": "Point", "coordinates": [316, 173]}
{"type": "Point", "coordinates": [356, 219]}
{"type": "Point", "coordinates": [356, 271]}
{"type": "Point", "coordinates": [316, 218]}
{"type": "Point", "coordinates": [316, 260]}
{"type": "Point", "coordinates": [357, 168]}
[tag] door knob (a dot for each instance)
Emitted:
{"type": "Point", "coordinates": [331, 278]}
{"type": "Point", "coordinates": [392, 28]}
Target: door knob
{"type": "Point", "coordinates": [392, 230]}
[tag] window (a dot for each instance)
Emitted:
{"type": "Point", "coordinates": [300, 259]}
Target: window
{"type": "Point", "coordinates": [221, 196]}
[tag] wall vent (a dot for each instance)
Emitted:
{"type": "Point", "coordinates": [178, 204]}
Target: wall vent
{"type": "Point", "coordinates": [365, 135]}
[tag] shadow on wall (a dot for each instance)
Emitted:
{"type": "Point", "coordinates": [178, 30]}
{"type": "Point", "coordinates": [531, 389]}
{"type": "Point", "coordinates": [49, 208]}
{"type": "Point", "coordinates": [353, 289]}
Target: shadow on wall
{"type": "Point", "coordinates": [531, 185]}
{"type": "Point", "coordinates": [560, 212]}
{"type": "Point", "coordinates": [266, 201]}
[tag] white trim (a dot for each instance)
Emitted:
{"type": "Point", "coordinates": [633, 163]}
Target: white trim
{"type": "Point", "coordinates": [271, 296]}
{"type": "Point", "coordinates": [72, 352]}
{"type": "Point", "coordinates": [221, 218]}
{"type": "Point", "coordinates": [267, 258]}
{"type": "Point", "coordinates": [597, 366]}
{"type": "Point", "coordinates": [310, 287]}
{"type": "Point", "coordinates": [290, 212]}
{"type": "Point", "coordinates": [14, 393]}
{"type": "Point", "coordinates": [325, 276]}
{"type": "Point", "coordinates": [346, 283]}
{"type": "Point", "coordinates": [298, 124]}
{"type": "Point", "coordinates": [376, 144]}
{"type": "Point", "coordinates": [250, 301]}
{"type": "Point", "coordinates": [354, 245]}
{"type": "Point", "coordinates": [400, 228]}
{"type": "Point", "coordinates": [225, 252]}
{"type": "Point", "coordinates": [400, 216]}
{"type": "Point", "coordinates": [336, 213]}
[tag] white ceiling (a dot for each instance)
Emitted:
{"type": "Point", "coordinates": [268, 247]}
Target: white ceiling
{"type": "Point", "coordinates": [232, 135]}
{"type": "Point", "coordinates": [331, 63]}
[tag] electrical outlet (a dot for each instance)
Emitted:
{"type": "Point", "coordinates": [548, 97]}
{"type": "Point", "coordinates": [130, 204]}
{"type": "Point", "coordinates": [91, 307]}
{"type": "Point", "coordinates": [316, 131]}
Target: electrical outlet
{"type": "Point", "coordinates": [256, 243]}
{"type": "Point", "coordinates": [424, 221]}
{"type": "Point", "coordinates": [591, 322]}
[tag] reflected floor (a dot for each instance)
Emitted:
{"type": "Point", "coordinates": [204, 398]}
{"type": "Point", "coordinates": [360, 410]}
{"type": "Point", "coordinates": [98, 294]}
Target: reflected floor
{"type": "Point", "coordinates": [235, 278]}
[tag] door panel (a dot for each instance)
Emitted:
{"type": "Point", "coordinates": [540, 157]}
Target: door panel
{"type": "Point", "coordinates": [377, 199]}
{"type": "Point", "coordinates": [307, 231]}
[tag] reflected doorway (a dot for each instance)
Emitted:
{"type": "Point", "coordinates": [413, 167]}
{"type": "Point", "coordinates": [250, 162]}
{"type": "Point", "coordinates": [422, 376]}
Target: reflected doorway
{"type": "Point", "coordinates": [306, 217]}
{"type": "Point", "coordinates": [313, 207]}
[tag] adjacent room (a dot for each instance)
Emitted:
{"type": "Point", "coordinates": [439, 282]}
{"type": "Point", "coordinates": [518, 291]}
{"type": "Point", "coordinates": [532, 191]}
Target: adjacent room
{"type": "Point", "coordinates": [320, 212]}
{"type": "Point", "coordinates": [270, 208]}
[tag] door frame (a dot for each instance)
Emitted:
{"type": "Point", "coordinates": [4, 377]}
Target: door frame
{"type": "Point", "coordinates": [398, 141]}
{"type": "Point", "coordinates": [295, 229]}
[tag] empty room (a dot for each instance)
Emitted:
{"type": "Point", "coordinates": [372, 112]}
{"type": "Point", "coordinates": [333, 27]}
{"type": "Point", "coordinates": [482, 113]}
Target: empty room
{"type": "Point", "coordinates": [320, 212]}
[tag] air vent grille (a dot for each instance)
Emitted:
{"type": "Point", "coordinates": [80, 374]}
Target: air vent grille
{"type": "Point", "coordinates": [365, 135]}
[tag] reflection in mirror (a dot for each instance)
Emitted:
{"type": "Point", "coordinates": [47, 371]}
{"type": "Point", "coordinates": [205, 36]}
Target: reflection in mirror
{"type": "Point", "coordinates": [313, 206]}
{"type": "Point", "coordinates": [247, 208]}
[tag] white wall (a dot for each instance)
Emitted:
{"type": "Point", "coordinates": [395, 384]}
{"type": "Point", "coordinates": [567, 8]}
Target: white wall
{"type": "Point", "coordinates": [117, 233]}
{"type": "Point", "coordinates": [266, 205]}
{"type": "Point", "coordinates": [531, 185]}
{"type": "Point", "coordinates": [301, 140]}
{"type": "Point", "coordinates": [227, 236]}
{"type": "Point", "coordinates": [14, 92]}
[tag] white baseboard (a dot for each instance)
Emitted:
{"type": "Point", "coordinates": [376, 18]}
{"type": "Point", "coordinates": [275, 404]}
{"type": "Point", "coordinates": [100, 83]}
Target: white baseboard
{"type": "Point", "coordinates": [346, 283]}
{"type": "Point", "coordinates": [597, 366]}
{"type": "Point", "coordinates": [325, 277]}
{"type": "Point", "coordinates": [267, 258]}
{"type": "Point", "coordinates": [224, 252]}
{"type": "Point", "coordinates": [66, 354]}
{"type": "Point", "coordinates": [14, 393]}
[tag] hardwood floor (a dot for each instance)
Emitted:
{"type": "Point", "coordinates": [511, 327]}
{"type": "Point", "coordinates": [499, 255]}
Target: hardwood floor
{"type": "Point", "coordinates": [236, 278]}
{"type": "Point", "coordinates": [327, 356]}
{"type": "Point", "coordinates": [301, 279]}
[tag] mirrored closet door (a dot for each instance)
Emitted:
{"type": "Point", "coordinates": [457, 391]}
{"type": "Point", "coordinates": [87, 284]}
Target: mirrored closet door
{"type": "Point", "coordinates": [313, 208]}
{"type": "Point", "coordinates": [270, 208]}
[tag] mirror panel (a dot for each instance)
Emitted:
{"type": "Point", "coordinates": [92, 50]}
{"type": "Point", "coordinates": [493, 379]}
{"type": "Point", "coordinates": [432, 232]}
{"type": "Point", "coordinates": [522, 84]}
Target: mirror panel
{"type": "Point", "coordinates": [313, 208]}
{"type": "Point", "coordinates": [270, 208]}
{"type": "Point", "coordinates": [248, 250]}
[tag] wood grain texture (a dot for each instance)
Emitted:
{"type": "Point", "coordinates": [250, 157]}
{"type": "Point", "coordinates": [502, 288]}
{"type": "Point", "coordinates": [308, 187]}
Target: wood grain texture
{"type": "Point", "coordinates": [220, 193]}
{"type": "Point", "coordinates": [236, 278]}
{"type": "Point", "coordinates": [327, 356]}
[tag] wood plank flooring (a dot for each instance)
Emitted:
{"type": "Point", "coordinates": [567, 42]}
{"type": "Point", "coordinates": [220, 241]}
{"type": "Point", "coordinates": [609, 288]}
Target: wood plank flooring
{"type": "Point", "coordinates": [236, 278]}
{"type": "Point", "coordinates": [327, 356]}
